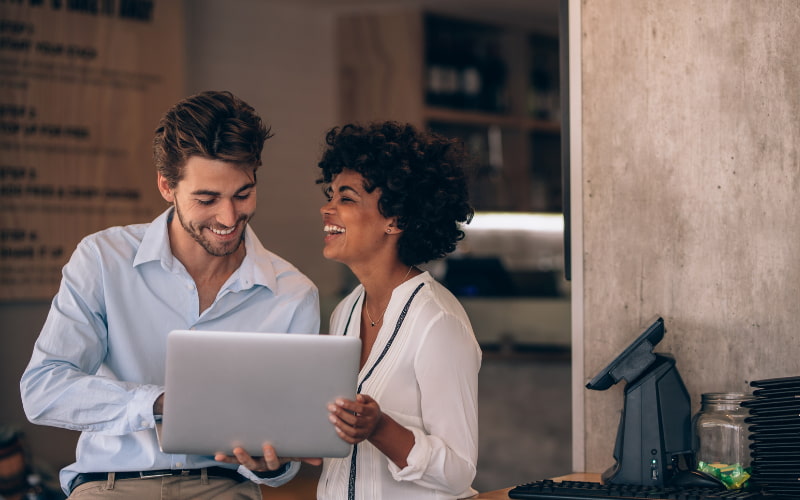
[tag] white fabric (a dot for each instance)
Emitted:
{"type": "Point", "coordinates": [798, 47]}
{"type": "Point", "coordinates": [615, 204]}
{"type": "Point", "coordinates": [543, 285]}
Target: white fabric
{"type": "Point", "coordinates": [427, 382]}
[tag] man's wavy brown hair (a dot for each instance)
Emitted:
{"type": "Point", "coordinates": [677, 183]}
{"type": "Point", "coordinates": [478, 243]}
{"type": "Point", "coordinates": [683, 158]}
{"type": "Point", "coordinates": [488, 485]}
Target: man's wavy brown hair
{"type": "Point", "coordinates": [215, 125]}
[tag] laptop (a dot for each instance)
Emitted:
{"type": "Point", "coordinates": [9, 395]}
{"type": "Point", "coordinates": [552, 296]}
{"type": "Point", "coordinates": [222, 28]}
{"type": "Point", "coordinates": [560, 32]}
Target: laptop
{"type": "Point", "coordinates": [229, 389]}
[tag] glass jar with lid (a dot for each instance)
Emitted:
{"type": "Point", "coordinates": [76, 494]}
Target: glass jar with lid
{"type": "Point", "coordinates": [721, 438]}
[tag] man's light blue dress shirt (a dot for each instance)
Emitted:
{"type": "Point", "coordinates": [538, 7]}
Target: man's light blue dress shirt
{"type": "Point", "coordinates": [98, 365]}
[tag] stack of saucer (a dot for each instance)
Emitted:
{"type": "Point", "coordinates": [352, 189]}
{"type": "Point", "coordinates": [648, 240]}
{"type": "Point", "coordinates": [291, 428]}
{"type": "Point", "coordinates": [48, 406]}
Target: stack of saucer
{"type": "Point", "coordinates": [775, 432]}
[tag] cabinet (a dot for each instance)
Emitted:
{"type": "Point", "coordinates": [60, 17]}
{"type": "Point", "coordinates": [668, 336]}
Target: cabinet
{"type": "Point", "coordinates": [494, 87]}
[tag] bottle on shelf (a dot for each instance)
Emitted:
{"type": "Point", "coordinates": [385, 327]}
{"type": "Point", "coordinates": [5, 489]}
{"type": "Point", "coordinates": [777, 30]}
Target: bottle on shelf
{"type": "Point", "coordinates": [494, 97]}
{"type": "Point", "coordinates": [464, 66]}
{"type": "Point", "coordinates": [471, 75]}
{"type": "Point", "coordinates": [437, 71]}
{"type": "Point", "coordinates": [543, 100]}
{"type": "Point", "coordinates": [538, 94]}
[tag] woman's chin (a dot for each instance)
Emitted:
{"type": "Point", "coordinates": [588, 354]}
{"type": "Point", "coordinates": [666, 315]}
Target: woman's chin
{"type": "Point", "coordinates": [329, 254]}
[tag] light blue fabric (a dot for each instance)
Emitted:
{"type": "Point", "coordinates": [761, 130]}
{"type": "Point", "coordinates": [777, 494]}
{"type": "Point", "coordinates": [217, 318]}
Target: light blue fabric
{"type": "Point", "coordinates": [98, 365]}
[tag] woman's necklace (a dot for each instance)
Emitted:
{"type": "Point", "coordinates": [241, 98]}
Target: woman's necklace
{"type": "Point", "coordinates": [372, 322]}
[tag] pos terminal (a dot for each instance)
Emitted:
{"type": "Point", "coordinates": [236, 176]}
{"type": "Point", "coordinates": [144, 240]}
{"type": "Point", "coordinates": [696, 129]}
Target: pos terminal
{"type": "Point", "coordinates": [655, 425]}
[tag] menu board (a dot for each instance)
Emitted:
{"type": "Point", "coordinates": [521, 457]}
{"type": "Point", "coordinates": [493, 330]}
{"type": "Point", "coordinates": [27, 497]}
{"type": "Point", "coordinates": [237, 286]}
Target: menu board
{"type": "Point", "coordinates": [83, 84]}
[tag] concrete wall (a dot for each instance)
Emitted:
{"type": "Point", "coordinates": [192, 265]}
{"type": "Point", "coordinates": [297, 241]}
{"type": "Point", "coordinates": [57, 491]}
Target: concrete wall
{"type": "Point", "coordinates": [691, 169]}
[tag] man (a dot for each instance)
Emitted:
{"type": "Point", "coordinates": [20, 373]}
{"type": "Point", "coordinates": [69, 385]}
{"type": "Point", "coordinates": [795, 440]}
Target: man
{"type": "Point", "coordinates": [98, 365]}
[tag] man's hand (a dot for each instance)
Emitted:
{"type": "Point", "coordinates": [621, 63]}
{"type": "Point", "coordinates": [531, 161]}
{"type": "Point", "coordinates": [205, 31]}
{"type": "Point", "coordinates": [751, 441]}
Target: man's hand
{"type": "Point", "coordinates": [270, 461]}
{"type": "Point", "coordinates": [158, 406]}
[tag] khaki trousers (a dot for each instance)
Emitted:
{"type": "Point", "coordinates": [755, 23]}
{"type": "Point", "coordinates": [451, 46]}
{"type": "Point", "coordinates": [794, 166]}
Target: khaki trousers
{"type": "Point", "coordinates": [199, 487]}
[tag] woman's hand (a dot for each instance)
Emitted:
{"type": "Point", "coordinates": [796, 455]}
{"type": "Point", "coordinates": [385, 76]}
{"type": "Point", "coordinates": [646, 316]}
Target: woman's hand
{"type": "Point", "coordinates": [363, 419]}
{"type": "Point", "coordinates": [356, 420]}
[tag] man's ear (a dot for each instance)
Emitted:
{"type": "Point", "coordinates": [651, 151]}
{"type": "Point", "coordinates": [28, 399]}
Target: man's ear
{"type": "Point", "coordinates": [165, 190]}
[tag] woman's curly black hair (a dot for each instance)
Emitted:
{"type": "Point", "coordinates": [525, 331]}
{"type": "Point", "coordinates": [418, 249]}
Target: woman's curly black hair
{"type": "Point", "coordinates": [421, 177]}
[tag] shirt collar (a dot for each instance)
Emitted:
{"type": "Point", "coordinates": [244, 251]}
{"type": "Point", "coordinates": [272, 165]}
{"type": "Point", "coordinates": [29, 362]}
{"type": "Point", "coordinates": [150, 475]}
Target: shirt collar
{"type": "Point", "coordinates": [256, 267]}
{"type": "Point", "coordinates": [155, 242]}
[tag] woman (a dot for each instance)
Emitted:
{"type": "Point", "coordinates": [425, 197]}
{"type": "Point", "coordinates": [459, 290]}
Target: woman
{"type": "Point", "coordinates": [396, 197]}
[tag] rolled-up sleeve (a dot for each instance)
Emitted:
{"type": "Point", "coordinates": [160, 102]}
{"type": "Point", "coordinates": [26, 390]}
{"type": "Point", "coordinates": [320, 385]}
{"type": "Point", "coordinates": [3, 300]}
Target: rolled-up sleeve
{"type": "Point", "coordinates": [445, 452]}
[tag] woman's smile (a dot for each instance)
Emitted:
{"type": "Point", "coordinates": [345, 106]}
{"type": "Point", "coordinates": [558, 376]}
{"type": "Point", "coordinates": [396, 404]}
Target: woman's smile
{"type": "Point", "coordinates": [332, 232]}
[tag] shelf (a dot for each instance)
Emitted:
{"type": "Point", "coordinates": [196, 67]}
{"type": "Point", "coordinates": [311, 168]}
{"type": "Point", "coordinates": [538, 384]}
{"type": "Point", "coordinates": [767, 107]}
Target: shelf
{"type": "Point", "coordinates": [455, 116]}
{"type": "Point", "coordinates": [447, 75]}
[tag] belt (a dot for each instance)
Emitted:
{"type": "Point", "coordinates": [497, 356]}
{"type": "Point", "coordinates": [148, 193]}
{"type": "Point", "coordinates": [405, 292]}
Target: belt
{"type": "Point", "coordinates": [86, 477]}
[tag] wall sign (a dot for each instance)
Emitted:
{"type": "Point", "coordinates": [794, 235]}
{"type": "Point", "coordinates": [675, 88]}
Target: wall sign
{"type": "Point", "coordinates": [82, 86]}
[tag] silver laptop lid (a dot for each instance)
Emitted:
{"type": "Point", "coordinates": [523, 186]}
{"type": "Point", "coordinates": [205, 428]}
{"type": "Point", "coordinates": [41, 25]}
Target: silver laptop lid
{"type": "Point", "coordinates": [229, 389]}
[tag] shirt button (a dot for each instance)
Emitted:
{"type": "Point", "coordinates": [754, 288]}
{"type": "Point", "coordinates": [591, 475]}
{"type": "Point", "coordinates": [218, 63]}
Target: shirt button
{"type": "Point", "coordinates": [179, 464]}
{"type": "Point", "coordinates": [189, 286]}
{"type": "Point", "coordinates": [145, 423]}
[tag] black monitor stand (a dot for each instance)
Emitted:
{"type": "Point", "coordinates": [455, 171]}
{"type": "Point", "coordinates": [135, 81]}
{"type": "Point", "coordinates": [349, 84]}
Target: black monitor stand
{"type": "Point", "coordinates": [655, 426]}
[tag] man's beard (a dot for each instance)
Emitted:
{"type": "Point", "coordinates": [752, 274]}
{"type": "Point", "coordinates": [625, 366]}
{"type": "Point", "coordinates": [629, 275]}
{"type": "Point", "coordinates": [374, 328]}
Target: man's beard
{"type": "Point", "coordinates": [197, 234]}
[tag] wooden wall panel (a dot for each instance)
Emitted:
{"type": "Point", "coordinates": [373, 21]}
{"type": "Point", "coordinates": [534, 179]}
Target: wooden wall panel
{"type": "Point", "coordinates": [82, 86]}
{"type": "Point", "coordinates": [381, 67]}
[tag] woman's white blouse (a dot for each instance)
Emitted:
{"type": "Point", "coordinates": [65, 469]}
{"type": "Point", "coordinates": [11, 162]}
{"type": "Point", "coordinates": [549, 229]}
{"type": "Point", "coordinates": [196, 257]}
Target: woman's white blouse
{"type": "Point", "coordinates": [427, 382]}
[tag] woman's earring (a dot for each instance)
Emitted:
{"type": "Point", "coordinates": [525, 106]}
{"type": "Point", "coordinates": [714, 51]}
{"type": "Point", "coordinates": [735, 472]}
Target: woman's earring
{"type": "Point", "coordinates": [388, 230]}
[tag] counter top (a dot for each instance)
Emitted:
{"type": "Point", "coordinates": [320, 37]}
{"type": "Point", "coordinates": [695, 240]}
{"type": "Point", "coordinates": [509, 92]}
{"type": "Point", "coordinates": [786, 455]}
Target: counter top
{"type": "Point", "coordinates": [503, 493]}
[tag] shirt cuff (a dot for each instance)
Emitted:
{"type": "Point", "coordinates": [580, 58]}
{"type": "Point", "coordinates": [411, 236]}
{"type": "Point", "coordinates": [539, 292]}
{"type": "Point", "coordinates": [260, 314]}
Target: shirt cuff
{"type": "Point", "coordinates": [140, 408]}
{"type": "Point", "coordinates": [272, 474]}
{"type": "Point", "coordinates": [291, 470]}
{"type": "Point", "coordinates": [417, 461]}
